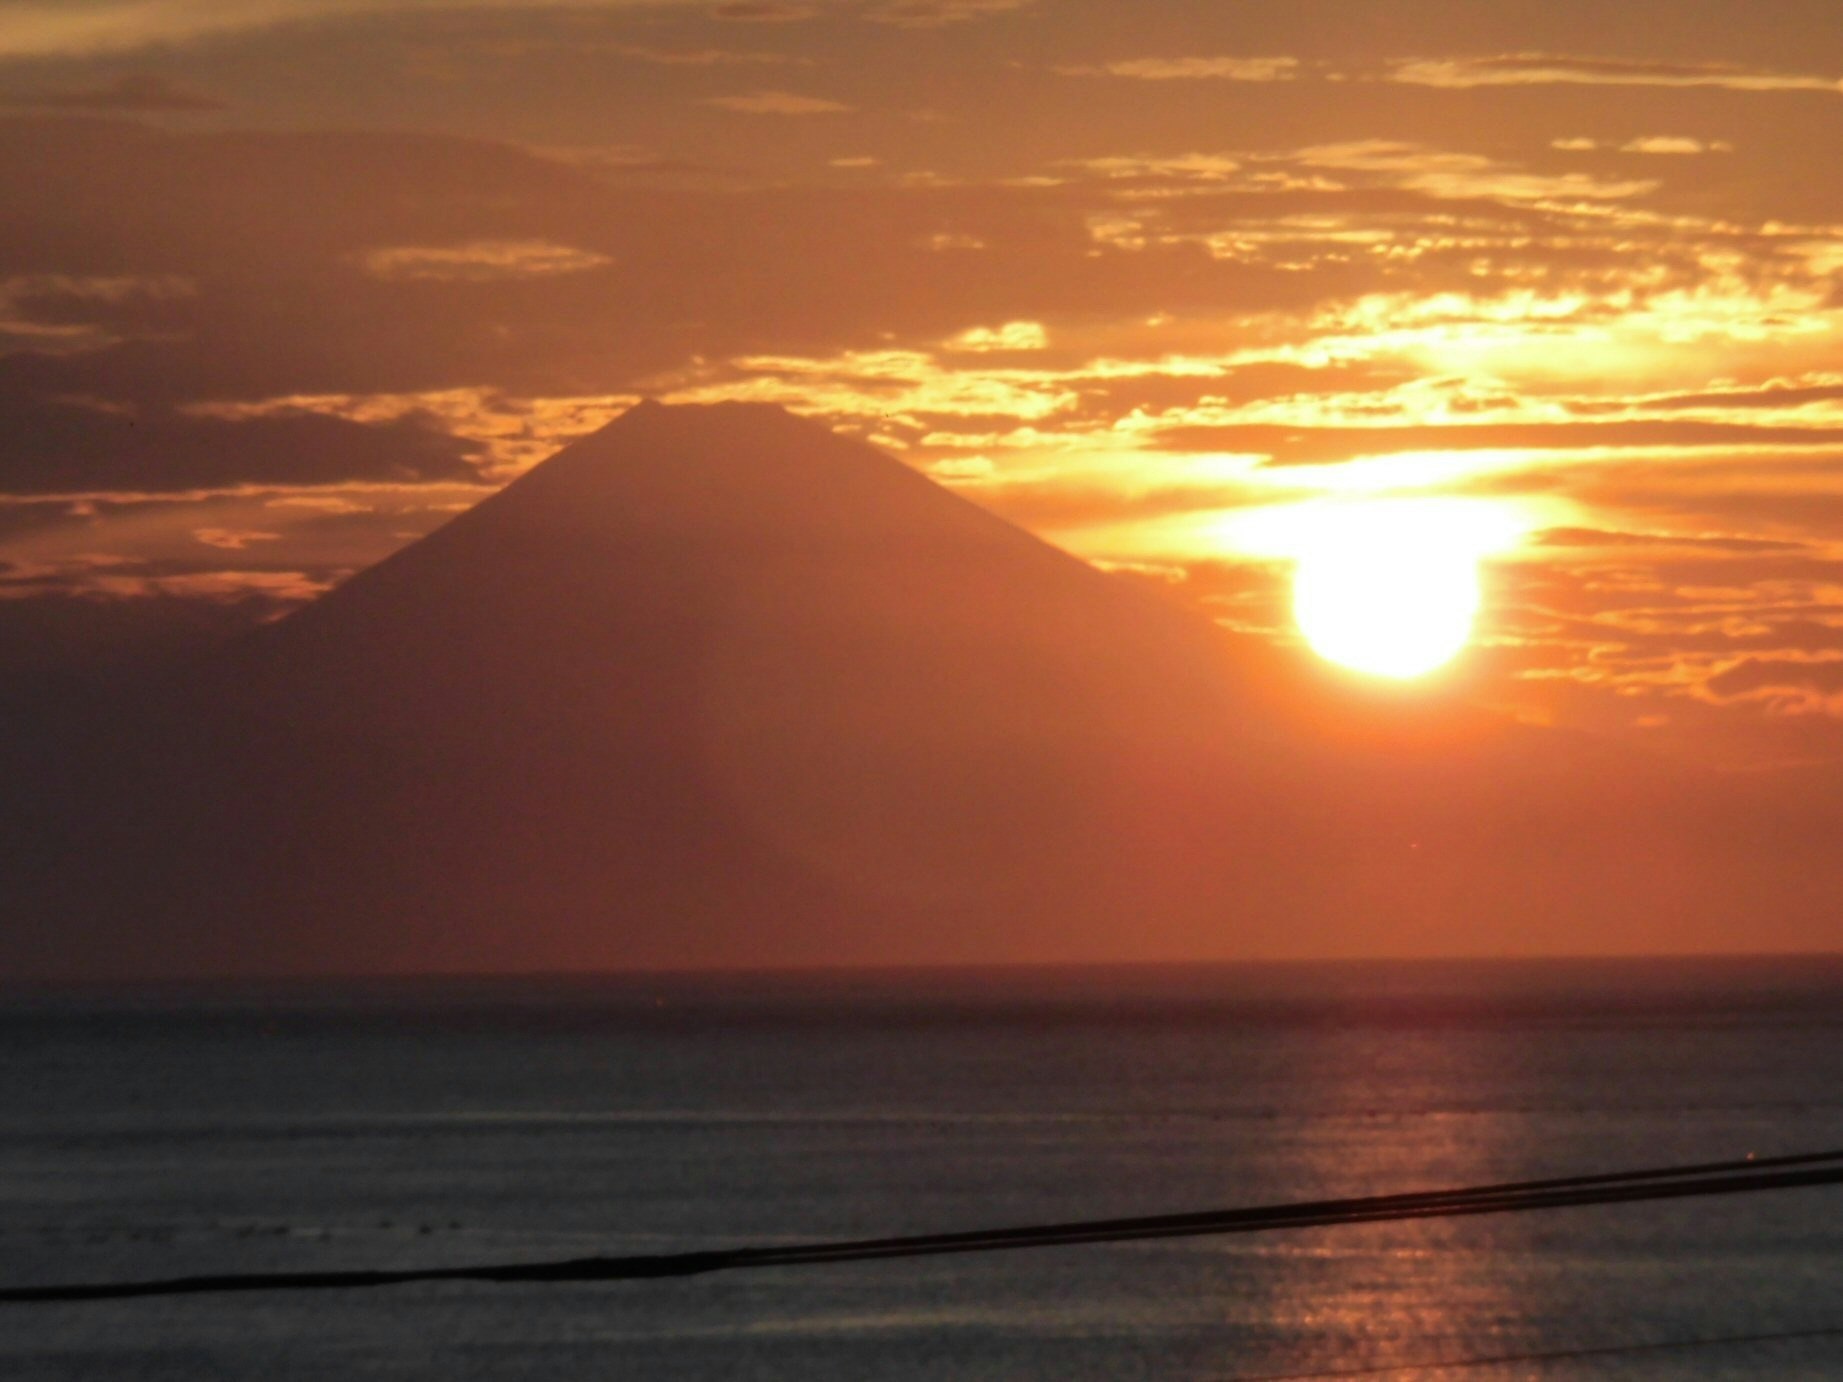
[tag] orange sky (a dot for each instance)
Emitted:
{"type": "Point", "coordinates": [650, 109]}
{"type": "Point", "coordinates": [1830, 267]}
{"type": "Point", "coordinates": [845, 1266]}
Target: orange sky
{"type": "Point", "coordinates": [284, 285]}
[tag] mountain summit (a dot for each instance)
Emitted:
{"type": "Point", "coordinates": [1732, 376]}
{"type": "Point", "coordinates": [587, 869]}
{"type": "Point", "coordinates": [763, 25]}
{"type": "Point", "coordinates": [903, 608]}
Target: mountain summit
{"type": "Point", "coordinates": [710, 685]}
{"type": "Point", "coordinates": [714, 686]}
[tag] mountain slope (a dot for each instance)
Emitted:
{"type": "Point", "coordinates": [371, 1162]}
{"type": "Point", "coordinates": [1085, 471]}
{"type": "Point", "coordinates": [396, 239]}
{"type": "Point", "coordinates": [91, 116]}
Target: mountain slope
{"type": "Point", "coordinates": [710, 683]}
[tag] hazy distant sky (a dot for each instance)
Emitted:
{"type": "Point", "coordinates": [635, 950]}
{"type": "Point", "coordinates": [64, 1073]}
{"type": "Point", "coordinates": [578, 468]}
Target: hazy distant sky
{"type": "Point", "coordinates": [282, 285]}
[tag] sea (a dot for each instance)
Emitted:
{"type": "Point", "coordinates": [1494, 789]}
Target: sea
{"type": "Point", "coordinates": [174, 1130]}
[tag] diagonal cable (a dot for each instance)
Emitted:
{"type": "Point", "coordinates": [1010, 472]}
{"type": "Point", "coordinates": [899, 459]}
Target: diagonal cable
{"type": "Point", "coordinates": [1620, 1187]}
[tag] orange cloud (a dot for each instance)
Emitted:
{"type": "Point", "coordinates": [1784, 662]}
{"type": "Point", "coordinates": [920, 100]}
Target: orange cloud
{"type": "Point", "coordinates": [480, 260]}
{"type": "Point", "coordinates": [704, 57]}
{"type": "Point", "coordinates": [777, 103]}
{"type": "Point", "coordinates": [1020, 335]}
{"type": "Point", "coordinates": [1231, 69]}
{"type": "Point", "coordinates": [1646, 144]}
{"type": "Point", "coordinates": [232, 539]}
{"type": "Point", "coordinates": [1447, 174]}
{"type": "Point", "coordinates": [1544, 69]}
{"type": "Point", "coordinates": [935, 14]}
{"type": "Point", "coordinates": [135, 92]}
{"type": "Point", "coordinates": [762, 12]}
{"type": "Point", "coordinates": [1675, 144]}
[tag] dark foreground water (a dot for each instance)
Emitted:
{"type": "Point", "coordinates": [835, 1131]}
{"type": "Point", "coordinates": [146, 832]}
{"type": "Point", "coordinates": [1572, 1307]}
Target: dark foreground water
{"type": "Point", "coordinates": [397, 1125]}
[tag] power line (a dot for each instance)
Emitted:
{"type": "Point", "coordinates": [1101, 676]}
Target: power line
{"type": "Point", "coordinates": [1620, 1187]}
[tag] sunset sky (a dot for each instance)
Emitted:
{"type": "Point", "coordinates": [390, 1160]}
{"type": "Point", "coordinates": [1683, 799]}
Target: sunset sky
{"type": "Point", "coordinates": [1180, 287]}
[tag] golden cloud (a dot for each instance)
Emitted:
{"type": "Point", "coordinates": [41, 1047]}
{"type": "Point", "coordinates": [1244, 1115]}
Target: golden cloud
{"type": "Point", "coordinates": [480, 261]}
{"type": "Point", "coordinates": [1544, 69]}
{"type": "Point", "coordinates": [1230, 69]}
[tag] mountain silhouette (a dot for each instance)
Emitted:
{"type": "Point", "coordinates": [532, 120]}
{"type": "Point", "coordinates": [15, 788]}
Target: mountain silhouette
{"type": "Point", "coordinates": [714, 686]}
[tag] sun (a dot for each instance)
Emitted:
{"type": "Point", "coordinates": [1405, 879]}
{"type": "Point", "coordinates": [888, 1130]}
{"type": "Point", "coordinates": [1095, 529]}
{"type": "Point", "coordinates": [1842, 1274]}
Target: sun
{"type": "Point", "coordinates": [1390, 591]}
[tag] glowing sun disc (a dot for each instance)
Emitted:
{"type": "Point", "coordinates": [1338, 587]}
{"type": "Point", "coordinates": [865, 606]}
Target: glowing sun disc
{"type": "Point", "coordinates": [1391, 600]}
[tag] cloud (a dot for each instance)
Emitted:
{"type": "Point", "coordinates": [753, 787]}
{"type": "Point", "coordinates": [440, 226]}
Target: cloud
{"type": "Point", "coordinates": [1448, 174]}
{"type": "Point", "coordinates": [1677, 634]}
{"type": "Point", "coordinates": [1301, 443]}
{"type": "Point", "coordinates": [232, 539]}
{"type": "Point", "coordinates": [47, 28]}
{"type": "Point", "coordinates": [1192, 69]}
{"type": "Point", "coordinates": [935, 14]}
{"type": "Point", "coordinates": [1777, 393]}
{"type": "Point", "coordinates": [899, 385]}
{"type": "Point", "coordinates": [776, 103]}
{"type": "Point", "coordinates": [704, 57]}
{"type": "Point", "coordinates": [44, 28]}
{"type": "Point", "coordinates": [23, 518]}
{"type": "Point", "coordinates": [1543, 69]}
{"type": "Point", "coordinates": [1200, 167]}
{"type": "Point", "coordinates": [67, 448]}
{"type": "Point", "coordinates": [133, 545]}
{"type": "Point", "coordinates": [1619, 538]}
{"type": "Point", "coordinates": [480, 261]}
{"type": "Point", "coordinates": [220, 587]}
{"type": "Point", "coordinates": [902, 14]}
{"type": "Point", "coordinates": [1675, 144]}
{"type": "Point", "coordinates": [762, 12]}
{"type": "Point", "coordinates": [101, 288]}
{"type": "Point", "coordinates": [138, 94]}
{"type": "Point", "coordinates": [507, 435]}
{"type": "Point", "coordinates": [1064, 506]}
{"type": "Point", "coordinates": [1018, 335]}
{"type": "Point", "coordinates": [52, 313]}
{"type": "Point", "coordinates": [1808, 684]}
{"type": "Point", "coordinates": [1667, 144]}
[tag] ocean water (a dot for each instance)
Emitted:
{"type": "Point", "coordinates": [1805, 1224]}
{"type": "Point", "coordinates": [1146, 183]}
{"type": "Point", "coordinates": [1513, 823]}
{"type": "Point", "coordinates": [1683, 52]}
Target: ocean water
{"type": "Point", "coordinates": [398, 1124]}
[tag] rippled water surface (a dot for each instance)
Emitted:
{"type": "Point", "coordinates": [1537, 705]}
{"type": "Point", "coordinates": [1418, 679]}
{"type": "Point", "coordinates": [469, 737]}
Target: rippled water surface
{"type": "Point", "coordinates": [170, 1132]}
